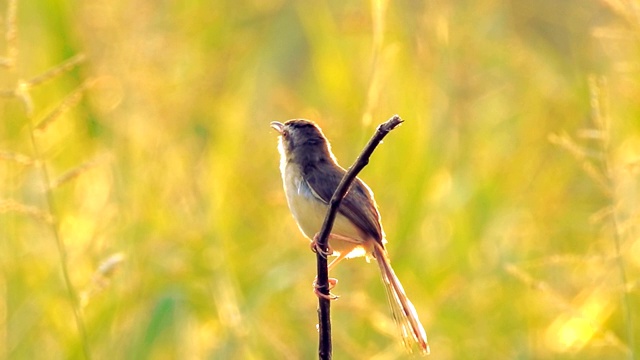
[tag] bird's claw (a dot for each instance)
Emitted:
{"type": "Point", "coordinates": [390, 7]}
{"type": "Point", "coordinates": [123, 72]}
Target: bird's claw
{"type": "Point", "coordinates": [330, 296]}
{"type": "Point", "coordinates": [318, 250]}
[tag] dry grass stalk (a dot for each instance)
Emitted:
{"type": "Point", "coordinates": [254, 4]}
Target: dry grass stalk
{"type": "Point", "coordinates": [583, 156]}
{"type": "Point", "coordinates": [57, 71]}
{"type": "Point", "coordinates": [102, 277]}
{"type": "Point", "coordinates": [17, 158]}
{"type": "Point", "coordinates": [75, 172]}
{"type": "Point", "coordinates": [69, 102]}
{"type": "Point", "coordinates": [11, 36]}
{"type": "Point", "coordinates": [9, 206]}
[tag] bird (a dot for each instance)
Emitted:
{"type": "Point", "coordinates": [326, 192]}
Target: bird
{"type": "Point", "coordinates": [310, 175]}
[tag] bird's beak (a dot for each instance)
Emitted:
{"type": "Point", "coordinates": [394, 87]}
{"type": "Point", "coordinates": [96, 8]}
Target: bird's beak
{"type": "Point", "coordinates": [277, 126]}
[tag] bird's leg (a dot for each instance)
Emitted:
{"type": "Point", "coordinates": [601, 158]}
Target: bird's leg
{"type": "Point", "coordinates": [335, 261]}
{"type": "Point", "coordinates": [341, 256]}
{"type": "Point", "coordinates": [332, 281]}
{"type": "Point", "coordinates": [316, 249]}
{"type": "Point", "coordinates": [332, 284]}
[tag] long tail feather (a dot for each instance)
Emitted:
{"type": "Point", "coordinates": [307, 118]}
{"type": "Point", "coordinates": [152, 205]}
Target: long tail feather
{"type": "Point", "coordinates": [403, 311]}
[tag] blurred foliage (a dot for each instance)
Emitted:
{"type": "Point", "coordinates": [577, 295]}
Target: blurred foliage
{"type": "Point", "coordinates": [141, 209]}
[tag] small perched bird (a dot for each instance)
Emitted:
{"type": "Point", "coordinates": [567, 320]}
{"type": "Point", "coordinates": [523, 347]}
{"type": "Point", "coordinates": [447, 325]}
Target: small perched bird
{"type": "Point", "coordinates": [310, 175]}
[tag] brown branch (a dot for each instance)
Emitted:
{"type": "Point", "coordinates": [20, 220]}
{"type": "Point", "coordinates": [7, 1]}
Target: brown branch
{"type": "Point", "coordinates": [324, 306]}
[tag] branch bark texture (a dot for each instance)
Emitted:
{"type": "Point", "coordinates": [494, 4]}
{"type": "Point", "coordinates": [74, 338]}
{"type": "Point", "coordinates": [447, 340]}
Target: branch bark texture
{"type": "Point", "coordinates": [324, 305]}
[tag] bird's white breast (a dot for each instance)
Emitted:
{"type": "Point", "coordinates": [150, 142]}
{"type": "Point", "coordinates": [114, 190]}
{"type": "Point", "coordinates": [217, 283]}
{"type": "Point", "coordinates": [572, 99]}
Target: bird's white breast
{"type": "Point", "coordinates": [309, 211]}
{"type": "Point", "coordinates": [306, 209]}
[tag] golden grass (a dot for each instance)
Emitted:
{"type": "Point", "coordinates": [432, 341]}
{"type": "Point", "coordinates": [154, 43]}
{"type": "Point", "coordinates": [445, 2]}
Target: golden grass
{"type": "Point", "coordinates": [141, 210]}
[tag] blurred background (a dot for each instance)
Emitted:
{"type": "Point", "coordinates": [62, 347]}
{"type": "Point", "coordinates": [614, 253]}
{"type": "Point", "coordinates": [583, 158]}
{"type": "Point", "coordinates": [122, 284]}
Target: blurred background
{"type": "Point", "coordinates": [141, 206]}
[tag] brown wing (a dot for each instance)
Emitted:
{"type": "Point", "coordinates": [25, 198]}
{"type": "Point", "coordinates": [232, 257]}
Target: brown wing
{"type": "Point", "coordinates": [358, 206]}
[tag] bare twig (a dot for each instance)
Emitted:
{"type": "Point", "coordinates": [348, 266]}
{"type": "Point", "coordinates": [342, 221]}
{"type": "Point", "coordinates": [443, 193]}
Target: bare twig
{"type": "Point", "coordinates": [324, 345]}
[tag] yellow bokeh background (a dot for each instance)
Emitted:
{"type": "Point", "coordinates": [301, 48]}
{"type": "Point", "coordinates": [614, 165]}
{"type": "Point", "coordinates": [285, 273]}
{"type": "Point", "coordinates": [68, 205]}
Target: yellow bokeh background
{"type": "Point", "coordinates": [141, 206]}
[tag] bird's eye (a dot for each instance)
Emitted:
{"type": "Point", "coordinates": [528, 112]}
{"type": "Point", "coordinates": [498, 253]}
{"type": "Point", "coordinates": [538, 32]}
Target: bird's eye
{"type": "Point", "coordinates": [285, 133]}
